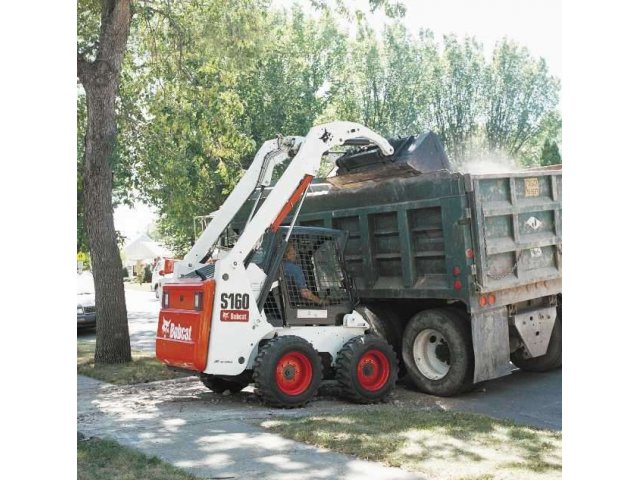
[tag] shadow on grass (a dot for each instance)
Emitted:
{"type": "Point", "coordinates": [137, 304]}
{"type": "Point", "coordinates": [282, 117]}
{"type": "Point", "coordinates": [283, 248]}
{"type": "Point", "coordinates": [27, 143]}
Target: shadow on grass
{"type": "Point", "coordinates": [420, 440]}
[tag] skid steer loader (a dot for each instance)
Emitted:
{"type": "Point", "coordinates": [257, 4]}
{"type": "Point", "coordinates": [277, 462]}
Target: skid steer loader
{"type": "Point", "coordinates": [277, 308]}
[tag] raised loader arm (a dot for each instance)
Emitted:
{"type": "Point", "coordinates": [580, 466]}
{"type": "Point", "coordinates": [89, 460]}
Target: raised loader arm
{"type": "Point", "coordinates": [272, 153]}
{"type": "Point", "coordinates": [296, 179]}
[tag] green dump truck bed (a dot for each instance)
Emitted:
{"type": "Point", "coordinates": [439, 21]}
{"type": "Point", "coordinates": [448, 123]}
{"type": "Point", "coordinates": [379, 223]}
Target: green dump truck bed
{"type": "Point", "coordinates": [448, 235]}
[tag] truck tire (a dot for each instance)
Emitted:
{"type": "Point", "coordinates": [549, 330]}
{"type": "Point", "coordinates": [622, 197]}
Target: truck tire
{"type": "Point", "coordinates": [550, 360]}
{"type": "Point", "coordinates": [438, 352]}
{"type": "Point", "coordinates": [366, 369]}
{"type": "Point", "coordinates": [287, 372]}
{"type": "Point", "coordinates": [220, 385]}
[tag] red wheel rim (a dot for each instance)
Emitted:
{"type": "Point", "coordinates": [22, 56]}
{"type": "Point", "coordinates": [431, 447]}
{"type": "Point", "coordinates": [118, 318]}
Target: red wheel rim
{"type": "Point", "coordinates": [373, 370]}
{"type": "Point", "coordinates": [294, 373]}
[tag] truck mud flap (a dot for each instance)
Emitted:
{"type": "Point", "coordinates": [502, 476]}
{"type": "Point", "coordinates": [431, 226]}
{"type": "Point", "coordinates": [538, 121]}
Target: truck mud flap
{"type": "Point", "coordinates": [535, 329]}
{"type": "Point", "coordinates": [490, 334]}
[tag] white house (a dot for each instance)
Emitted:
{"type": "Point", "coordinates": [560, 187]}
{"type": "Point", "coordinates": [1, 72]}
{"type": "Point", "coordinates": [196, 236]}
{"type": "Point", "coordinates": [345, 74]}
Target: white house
{"type": "Point", "coordinates": [143, 251]}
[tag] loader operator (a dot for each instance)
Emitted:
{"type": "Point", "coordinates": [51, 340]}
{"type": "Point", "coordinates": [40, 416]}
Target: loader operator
{"type": "Point", "coordinates": [295, 277]}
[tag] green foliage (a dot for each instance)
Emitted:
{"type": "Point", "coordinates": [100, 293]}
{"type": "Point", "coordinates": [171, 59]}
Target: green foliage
{"type": "Point", "coordinates": [400, 85]}
{"type": "Point", "coordinates": [520, 94]}
{"type": "Point", "coordinates": [550, 154]}
{"type": "Point", "coordinates": [391, 8]}
{"type": "Point", "coordinates": [456, 105]}
{"type": "Point", "coordinates": [290, 85]}
{"type": "Point", "coordinates": [210, 103]}
{"type": "Point", "coordinates": [206, 82]}
{"type": "Point", "coordinates": [384, 84]}
{"type": "Point", "coordinates": [88, 26]}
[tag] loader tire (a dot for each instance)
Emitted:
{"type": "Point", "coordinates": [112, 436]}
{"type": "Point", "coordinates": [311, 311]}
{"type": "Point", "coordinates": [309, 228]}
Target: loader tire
{"type": "Point", "coordinates": [438, 352]}
{"type": "Point", "coordinates": [287, 372]}
{"type": "Point", "coordinates": [550, 360]}
{"type": "Point", "coordinates": [220, 385]}
{"type": "Point", "coordinates": [367, 369]}
{"type": "Point", "coordinates": [385, 323]}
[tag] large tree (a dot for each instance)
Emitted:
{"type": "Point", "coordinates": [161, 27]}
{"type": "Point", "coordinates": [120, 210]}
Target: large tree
{"type": "Point", "coordinates": [99, 66]}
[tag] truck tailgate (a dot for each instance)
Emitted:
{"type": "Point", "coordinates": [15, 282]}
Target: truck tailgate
{"type": "Point", "coordinates": [517, 227]}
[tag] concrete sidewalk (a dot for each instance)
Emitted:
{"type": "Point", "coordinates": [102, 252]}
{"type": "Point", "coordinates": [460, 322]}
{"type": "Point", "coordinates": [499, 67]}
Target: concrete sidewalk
{"type": "Point", "coordinates": [211, 436]}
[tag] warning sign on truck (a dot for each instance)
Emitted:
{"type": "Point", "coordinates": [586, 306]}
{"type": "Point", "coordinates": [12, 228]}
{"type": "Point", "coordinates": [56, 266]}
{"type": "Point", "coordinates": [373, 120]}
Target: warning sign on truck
{"type": "Point", "coordinates": [531, 187]}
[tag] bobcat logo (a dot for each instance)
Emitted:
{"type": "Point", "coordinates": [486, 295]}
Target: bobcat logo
{"type": "Point", "coordinates": [175, 332]}
{"type": "Point", "coordinates": [165, 326]}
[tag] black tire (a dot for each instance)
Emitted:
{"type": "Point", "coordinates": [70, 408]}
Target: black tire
{"type": "Point", "coordinates": [384, 323]}
{"type": "Point", "coordinates": [220, 385]}
{"type": "Point", "coordinates": [452, 352]}
{"type": "Point", "coordinates": [287, 372]}
{"type": "Point", "coordinates": [375, 381]}
{"type": "Point", "coordinates": [550, 360]}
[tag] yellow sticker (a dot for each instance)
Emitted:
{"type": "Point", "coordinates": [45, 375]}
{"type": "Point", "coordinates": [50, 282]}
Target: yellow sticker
{"type": "Point", "coordinates": [531, 187]}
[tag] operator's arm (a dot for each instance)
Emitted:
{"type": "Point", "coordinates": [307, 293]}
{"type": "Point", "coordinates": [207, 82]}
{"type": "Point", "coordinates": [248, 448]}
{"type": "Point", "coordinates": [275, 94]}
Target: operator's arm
{"type": "Point", "coordinates": [309, 295]}
{"type": "Point", "coordinates": [295, 273]}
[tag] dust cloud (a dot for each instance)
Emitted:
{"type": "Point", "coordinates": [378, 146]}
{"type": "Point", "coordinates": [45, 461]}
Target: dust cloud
{"type": "Point", "coordinates": [483, 162]}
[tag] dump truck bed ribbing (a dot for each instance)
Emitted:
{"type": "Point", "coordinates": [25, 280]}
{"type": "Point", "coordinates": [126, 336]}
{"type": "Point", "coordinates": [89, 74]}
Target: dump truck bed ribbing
{"type": "Point", "coordinates": [406, 236]}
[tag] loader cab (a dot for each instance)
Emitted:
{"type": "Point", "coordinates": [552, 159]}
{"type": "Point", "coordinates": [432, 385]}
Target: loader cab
{"type": "Point", "coordinates": [308, 268]}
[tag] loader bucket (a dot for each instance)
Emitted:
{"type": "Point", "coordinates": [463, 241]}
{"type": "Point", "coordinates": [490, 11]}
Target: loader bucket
{"type": "Point", "coordinates": [412, 156]}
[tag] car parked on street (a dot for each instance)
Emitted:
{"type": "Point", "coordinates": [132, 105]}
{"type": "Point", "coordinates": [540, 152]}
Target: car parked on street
{"type": "Point", "coordinates": [86, 300]}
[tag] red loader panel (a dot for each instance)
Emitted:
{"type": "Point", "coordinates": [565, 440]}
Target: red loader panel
{"type": "Point", "coordinates": [184, 323]}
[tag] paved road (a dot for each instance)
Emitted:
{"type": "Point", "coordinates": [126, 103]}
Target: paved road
{"type": "Point", "coordinates": [535, 399]}
{"type": "Point", "coordinates": [142, 309]}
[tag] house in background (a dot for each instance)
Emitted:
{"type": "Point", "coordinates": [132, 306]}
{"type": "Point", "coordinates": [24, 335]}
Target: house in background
{"type": "Point", "coordinates": [142, 251]}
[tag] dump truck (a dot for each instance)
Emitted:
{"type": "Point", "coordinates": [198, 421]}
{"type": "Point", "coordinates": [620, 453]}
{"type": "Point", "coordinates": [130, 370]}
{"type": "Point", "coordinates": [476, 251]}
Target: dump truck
{"type": "Point", "coordinates": [460, 273]}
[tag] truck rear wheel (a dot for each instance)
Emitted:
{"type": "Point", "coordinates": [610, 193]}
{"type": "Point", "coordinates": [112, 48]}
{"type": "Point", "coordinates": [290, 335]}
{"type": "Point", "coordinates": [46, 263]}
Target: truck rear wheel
{"type": "Point", "coordinates": [287, 372]}
{"type": "Point", "coordinates": [550, 360]}
{"type": "Point", "coordinates": [366, 369]}
{"type": "Point", "coordinates": [220, 385]}
{"type": "Point", "coordinates": [438, 352]}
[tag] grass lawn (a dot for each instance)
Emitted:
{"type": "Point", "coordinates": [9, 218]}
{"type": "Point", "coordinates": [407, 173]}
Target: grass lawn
{"type": "Point", "coordinates": [144, 367]}
{"type": "Point", "coordinates": [444, 445]}
{"type": "Point", "coordinates": [106, 459]}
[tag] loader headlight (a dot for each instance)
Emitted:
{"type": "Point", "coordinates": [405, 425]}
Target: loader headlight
{"type": "Point", "coordinates": [165, 299]}
{"type": "Point", "coordinates": [197, 301]}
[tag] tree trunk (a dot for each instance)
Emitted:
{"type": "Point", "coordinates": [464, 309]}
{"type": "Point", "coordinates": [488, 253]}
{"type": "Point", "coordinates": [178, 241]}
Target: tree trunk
{"type": "Point", "coordinates": [100, 79]}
